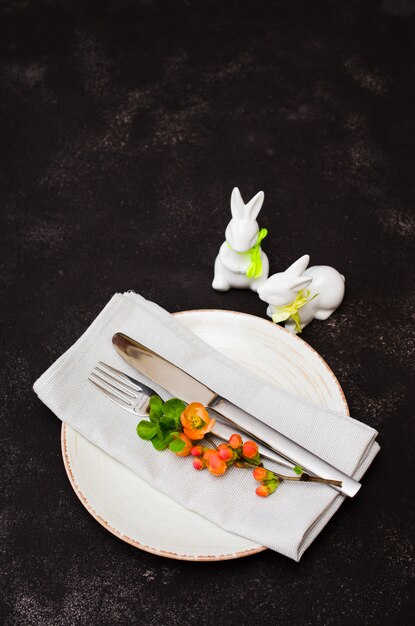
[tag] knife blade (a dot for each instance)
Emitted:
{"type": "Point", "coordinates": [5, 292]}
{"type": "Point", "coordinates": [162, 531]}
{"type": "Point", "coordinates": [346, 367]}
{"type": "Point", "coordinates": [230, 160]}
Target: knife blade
{"type": "Point", "coordinates": [184, 386]}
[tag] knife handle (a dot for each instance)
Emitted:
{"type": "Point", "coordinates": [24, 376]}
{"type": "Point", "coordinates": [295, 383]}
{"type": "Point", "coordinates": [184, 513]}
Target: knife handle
{"type": "Point", "coordinates": [285, 447]}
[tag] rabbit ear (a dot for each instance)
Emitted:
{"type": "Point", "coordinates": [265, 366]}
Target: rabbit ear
{"type": "Point", "coordinates": [237, 204]}
{"type": "Point", "coordinates": [300, 282]}
{"type": "Point", "coordinates": [299, 266]}
{"type": "Point", "coordinates": [254, 206]}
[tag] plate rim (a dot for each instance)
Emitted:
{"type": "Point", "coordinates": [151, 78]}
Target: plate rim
{"type": "Point", "coordinates": [167, 554]}
{"type": "Point", "coordinates": [133, 542]}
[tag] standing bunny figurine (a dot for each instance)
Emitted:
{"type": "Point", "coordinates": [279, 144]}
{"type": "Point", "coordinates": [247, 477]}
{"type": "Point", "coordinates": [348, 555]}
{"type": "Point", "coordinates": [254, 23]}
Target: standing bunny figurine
{"type": "Point", "coordinates": [241, 262]}
{"type": "Point", "coordinates": [290, 301]}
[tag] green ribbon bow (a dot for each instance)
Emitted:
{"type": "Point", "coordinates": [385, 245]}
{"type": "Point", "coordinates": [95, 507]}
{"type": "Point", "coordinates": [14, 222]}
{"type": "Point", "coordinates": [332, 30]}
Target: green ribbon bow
{"type": "Point", "coordinates": [282, 313]}
{"type": "Point", "coordinates": [255, 266]}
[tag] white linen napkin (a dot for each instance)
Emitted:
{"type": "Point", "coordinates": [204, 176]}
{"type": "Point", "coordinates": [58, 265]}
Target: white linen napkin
{"type": "Point", "coordinates": [288, 520]}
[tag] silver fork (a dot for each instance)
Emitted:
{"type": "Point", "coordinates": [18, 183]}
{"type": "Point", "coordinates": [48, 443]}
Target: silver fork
{"type": "Point", "coordinates": [133, 396]}
{"type": "Point", "coordinates": [126, 392]}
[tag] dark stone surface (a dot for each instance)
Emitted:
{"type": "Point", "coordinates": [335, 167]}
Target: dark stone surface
{"type": "Point", "coordinates": [124, 126]}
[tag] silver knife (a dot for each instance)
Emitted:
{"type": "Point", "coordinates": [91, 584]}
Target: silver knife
{"type": "Point", "coordinates": [184, 386]}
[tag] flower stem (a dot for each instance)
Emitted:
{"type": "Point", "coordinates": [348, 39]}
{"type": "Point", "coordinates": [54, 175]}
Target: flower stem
{"type": "Point", "coordinates": [304, 477]}
{"type": "Point", "coordinates": [209, 439]}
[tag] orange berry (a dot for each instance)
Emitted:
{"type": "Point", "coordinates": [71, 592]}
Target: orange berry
{"type": "Point", "coordinates": [262, 491]}
{"type": "Point", "coordinates": [267, 487]}
{"type": "Point", "coordinates": [215, 464]}
{"type": "Point", "coordinates": [199, 463]}
{"type": "Point", "coordinates": [225, 452]}
{"type": "Point", "coordinates": [208, 452]}
{"type": "Point", "coordinates": [250, 450]}
{"type": "Point", "coordinates": [235, 441]}
{"type": "Point", "coordinates": [196, 451]}
{"type": "Point", "coordinates": [260, 473]}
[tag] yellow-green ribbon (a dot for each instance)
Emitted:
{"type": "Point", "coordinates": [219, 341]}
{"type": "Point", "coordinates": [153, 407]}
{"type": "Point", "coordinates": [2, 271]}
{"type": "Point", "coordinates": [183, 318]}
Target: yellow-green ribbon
{"type": "Point", "coordinates": [282, 313]}
{"type": "Point", "coordinates": [255, 266]}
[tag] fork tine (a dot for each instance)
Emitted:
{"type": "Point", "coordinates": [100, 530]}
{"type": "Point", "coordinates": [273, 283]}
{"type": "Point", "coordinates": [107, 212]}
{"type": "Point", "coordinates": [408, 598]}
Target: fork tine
{"type": "Point", "coordinates": [119, 386]}
{"type": "Point", "coordinates": [127, 380]}
{"type": "Point", "coordinates": [118, 401]}
{"type": "Point", "coordinates": [116, 391]}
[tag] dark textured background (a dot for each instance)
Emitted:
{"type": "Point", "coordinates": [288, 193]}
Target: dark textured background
{"type": "Point", "coordinates": [123, 128]}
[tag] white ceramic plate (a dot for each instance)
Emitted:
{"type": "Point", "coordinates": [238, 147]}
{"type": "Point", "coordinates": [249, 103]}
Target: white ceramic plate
{"type": "Point", "coordinates": [138, 514]}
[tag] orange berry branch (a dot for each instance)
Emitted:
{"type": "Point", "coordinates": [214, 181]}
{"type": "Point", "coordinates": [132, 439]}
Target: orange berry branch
{"type": "Point", "coordinates": [176, 426]}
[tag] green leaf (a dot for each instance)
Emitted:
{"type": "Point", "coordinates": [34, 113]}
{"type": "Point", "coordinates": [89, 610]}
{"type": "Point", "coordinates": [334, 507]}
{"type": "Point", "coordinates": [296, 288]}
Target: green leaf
{"type": "Point", "coordinates": [146, 430]}
{"type": "Point", "coordinates": [161, 443]}
{"type": "Point", "coordinates": [298, 470]}
{"type": "Point", "coordinates": [156, 408]}
{"type": "Point", "coordinates": [168, 423]}
{"type": "Point", "coordinates": [173, 408]}
{"type": "Point", "coordinates": [156, 403]}
{"type": "Point", "coordinates": [177, 445]}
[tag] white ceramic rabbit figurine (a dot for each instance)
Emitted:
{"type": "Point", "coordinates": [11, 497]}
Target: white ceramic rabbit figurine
{"type": "Point", "coordinates": [241, 262]}
{"type": "Point", "coordinates": [290, 301]}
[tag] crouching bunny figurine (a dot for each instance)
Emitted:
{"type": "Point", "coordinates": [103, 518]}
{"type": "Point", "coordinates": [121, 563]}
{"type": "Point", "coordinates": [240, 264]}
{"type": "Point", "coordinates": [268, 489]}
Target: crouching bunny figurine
{"type": "Point", "coordinates": [241, 262]}
{"type": "Point", "coordinates": [291, 302]}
